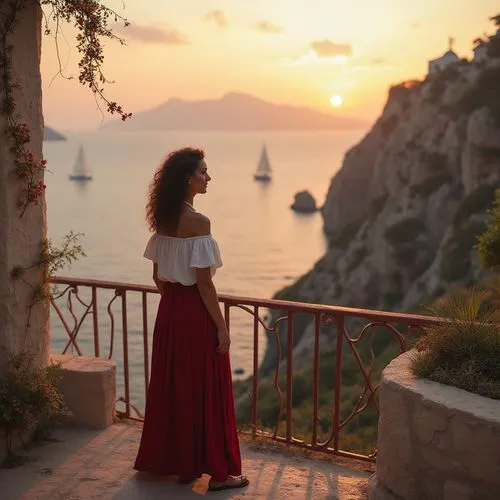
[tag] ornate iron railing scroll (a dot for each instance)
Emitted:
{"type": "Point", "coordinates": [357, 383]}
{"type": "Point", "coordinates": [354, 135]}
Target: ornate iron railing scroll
{"type": "Point", "coordinates": [322, 316]}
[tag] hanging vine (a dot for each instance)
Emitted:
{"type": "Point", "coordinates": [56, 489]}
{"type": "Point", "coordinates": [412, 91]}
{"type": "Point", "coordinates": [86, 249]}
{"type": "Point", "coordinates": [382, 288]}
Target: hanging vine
{"type": "Point", "coordinates": [92, 20]}
{"type": "Point", "coordinates": [29, 398]}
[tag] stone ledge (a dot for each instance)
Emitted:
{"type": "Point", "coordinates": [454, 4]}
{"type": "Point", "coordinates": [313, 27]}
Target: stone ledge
{"type": "Point", "coordinates": [399, 375]}
{"type": "Point", "coordinates": [377, 492]}
{"type": "Point", "coordinates": [88, 386]}
{"type": "Point", "coordinates": [435, 441]}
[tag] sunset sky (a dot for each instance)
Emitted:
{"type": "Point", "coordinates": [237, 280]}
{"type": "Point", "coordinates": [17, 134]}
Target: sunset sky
{"type": "Point", "coordinates": [299, 52]}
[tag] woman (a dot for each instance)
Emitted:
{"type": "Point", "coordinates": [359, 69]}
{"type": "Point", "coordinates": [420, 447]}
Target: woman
{"type": "Point", "coordinates": [189, 426]}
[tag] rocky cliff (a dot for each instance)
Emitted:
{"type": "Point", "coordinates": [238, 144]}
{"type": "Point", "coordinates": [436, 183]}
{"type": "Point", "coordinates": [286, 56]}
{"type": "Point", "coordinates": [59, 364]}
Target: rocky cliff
{"type": "Point", "coordinates": [403, 212]}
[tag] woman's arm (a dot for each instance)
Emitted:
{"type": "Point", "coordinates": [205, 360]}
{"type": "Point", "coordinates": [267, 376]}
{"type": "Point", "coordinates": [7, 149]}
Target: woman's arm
{"type": "Point", "coordinates": [208, 294]}
{"type": "Point", "coordinates": [200, 226]}
{"type": "Point", "coordinates": [159, 283]}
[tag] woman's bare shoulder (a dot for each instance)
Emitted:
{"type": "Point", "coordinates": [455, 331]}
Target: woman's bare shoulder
{"type": "Point", "coordinates": [194, 223]}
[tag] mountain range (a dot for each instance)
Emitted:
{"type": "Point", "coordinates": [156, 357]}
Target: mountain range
{"type": "Point", "coordinates": [49, 134]}
{"type": "Point", "coordinates": [233, 111]}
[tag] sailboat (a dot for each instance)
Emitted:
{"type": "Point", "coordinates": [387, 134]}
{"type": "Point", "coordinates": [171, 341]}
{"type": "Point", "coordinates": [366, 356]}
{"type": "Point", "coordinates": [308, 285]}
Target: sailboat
{"type": "Point", "coordinates": [264, 170]}
{"type": "Point", "coordinates": [81, 171]}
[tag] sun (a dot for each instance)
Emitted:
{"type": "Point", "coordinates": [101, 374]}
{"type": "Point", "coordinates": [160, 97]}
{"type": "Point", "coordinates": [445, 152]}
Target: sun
{"type": "Point", "coordinates": [336, 101]}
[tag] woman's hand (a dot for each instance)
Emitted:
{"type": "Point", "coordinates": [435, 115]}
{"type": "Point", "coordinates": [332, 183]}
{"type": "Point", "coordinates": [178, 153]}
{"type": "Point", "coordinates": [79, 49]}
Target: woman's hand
{"type": "Point", "coordinates": [224, 340]}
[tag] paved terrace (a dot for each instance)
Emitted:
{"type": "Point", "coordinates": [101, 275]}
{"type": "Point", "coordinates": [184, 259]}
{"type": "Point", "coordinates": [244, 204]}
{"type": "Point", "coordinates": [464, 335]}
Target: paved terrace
{"type": "Point", "coordinates": [86, 464]}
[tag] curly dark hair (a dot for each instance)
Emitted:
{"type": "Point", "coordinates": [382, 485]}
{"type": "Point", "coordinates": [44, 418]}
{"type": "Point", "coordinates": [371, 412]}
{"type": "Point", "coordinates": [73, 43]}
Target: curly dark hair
{"type": "Point", "coordinates": [169, 187]}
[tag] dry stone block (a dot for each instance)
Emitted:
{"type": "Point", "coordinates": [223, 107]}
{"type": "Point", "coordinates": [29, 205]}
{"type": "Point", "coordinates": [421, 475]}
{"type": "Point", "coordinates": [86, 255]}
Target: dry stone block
{"type": "Point", "coordinates": [470, 436]}
{"type": "Point", "coordinates": [427, 422]}
{"type": "Point", "coordinates": [435, 441]}
{"type": "Point", "coordinates": [394, 443]}
{"type": "Point", "coordinates": [376, 490]}
{"type": "Point", "coordinates": [89, 389]}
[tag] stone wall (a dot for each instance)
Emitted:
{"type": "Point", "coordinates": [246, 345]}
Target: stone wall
{"type": "Point", "coordinates": [20, 238]}
{"type": "Point", "coordinates": [435, 441]}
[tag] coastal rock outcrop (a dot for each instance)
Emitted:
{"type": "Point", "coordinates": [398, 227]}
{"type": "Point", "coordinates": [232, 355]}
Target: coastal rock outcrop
{"type": "Point", "coordinates": [304, 202]}
{"type": "Point", "coordinates": [403, 213]}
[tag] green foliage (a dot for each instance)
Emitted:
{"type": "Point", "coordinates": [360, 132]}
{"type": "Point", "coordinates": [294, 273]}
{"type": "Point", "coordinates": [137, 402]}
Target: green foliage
{"type": "Point", "coordinates": [494, 45]}
{"type": "Point", "coordinates": [51, 260]}
{"type": "Point", "coordinates": [456, 262]}
{"type": "Point", "coordinates": [378, 204]}
{"type": "Point", "coordinates": [56, 258]}
{"type": "Point", "coordinates": [494, 48]}
{"type": "Point", "coordinates": [391, 299]}
{"type": "Point", "coordinates": [438, 175]}
{"type": "Point", "coordinates": [488, 154]}
{"type": "Point", "coordinates": [488, 244]}
{"type": "Point", "coordinates": [29, 398]}
{"type": "Point", "coordinates": [434, 162]}
{"type": "Point", "coordinates": [388, 125]}
{"type": "Point", "coordinates": [463, 351]}
{"type": "Point", "coordinates": [439, 83]}
{"type": "Point", "coordinates": [402, 91]}
{"type": "Point", "coordinates": [93, 22]}
{"type": "Point", "coordinates": [477, 201]}
{"type": "Point", "coordinates": [404, 231]}
{"type": "Point", "coordinates": [483, 93]}
{"type": "Point", "coordinates": [358, 257]}
{"type": "Point", "coordinates": [406, 254]}
{"type": "Point", "coordinates": [92, 19]}
{"type": "Point", "coordinates": [347, 234]}
{"type": "Point", "coordinates": [431, 184]}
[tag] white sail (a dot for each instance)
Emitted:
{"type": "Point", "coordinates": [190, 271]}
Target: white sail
{"type": "Point", "coordinates": [81, 170]}
{"type": "Point", "coordinates": [264, 165]}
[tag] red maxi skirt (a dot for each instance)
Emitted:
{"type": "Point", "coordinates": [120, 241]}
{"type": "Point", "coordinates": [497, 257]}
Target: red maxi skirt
{"type": "Point", "coordinates": [189, 425]}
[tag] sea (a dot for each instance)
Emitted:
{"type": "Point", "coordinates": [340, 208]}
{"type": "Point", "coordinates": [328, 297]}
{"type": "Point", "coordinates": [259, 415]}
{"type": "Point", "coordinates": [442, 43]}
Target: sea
{"type": "Point", "coordinates": [265, 245]}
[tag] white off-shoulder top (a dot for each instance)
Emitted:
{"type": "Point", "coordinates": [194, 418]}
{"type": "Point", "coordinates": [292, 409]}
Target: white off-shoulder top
{"type": "Point", "coordinates": [178, 258]}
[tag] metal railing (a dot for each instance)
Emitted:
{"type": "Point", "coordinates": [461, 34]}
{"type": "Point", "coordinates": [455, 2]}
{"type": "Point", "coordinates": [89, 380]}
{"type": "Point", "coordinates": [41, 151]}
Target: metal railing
{"type": "Point", "coordinates": [280, 326]}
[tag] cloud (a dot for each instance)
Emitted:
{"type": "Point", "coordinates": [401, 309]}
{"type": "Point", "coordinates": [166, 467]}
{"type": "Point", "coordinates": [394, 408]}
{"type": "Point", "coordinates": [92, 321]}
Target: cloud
{"type": "Point", "coordinates": [312, 58]}
{"type": "Point", "coordinates": [218, 17]}
{"type": "Point", "coordinates": [268, 27]}
{"type": "Point", "coordinates": [327, 48]}
{"type": "Point", "coordinates": [152, 34]}
{"type": "Point", "coordinates": [323, 52]}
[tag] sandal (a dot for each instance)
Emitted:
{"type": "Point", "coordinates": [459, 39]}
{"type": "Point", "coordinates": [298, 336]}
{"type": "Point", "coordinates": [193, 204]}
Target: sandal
{"type": "Point", "coordinates": [235, 482]}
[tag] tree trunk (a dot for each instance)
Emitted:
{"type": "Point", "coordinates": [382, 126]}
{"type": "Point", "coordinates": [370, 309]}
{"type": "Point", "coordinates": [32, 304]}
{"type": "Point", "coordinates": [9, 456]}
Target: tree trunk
{"type": "Point", "coordinates": [21, 237]}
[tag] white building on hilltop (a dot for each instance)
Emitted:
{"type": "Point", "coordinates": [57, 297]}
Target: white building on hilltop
{"type": "Point", "coordinates": [480, 51]}
{"type": "Point", "coordinates": [439, 64]}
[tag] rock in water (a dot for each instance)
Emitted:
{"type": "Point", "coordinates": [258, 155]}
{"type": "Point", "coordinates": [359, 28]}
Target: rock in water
{"type": "Point", "coordinates": [304, 202]}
